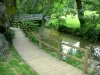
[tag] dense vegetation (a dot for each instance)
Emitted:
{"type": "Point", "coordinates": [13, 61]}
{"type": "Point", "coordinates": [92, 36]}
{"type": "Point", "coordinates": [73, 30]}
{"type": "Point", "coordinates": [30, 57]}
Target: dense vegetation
{"type": "Point", "coordinates": [71, 16]}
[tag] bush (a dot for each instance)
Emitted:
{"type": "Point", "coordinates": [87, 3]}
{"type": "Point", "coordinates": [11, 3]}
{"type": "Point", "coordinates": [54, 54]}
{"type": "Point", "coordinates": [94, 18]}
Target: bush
{"type": "Point", "coordinates": [89, 31]}
{"type": "Point", "coordinates": [9, 35]}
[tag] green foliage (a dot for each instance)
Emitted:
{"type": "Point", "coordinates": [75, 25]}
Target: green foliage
{"type": "Point", "coordinates": [29, 6]}
{"type": "Point", "coordinates": [9, 35]}
{"type": "Point", "coordinates": [61, 22]}
{"type": "Point", "coordinates": [34, 40]}
{"type": "Point", "coordinates": [28, 27]}
{"type": "Point", "coordinates": [89, 31]}
{"type": "Point", "coordinates": [57, 23]}
{"type": "Point", "coordinates": [47, 7]}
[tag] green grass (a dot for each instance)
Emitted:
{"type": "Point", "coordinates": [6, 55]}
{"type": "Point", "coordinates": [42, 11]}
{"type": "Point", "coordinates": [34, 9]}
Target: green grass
{"type": "Point", "coordinates": [73, 22]}
{"type": "Point", "coordinates": [15, 65]}
{"type": "Point", "coordinates": [98, 27]}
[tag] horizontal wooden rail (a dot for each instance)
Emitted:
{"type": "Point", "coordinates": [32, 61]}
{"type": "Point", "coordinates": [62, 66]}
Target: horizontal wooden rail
{"type": "Point", "coordinates": [70, 56]}
{"type": "Point", "coordinates": [34, 34]}
{"type": "Point", "coordinates": [42, 41]}
{"type": "Point", "coordinates": [49, 45]}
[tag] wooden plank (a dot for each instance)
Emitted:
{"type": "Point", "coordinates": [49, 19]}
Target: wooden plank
{"type": "Point", "coordinates": [85, 65]}
{"type": "Point", "coordinates": [59, 48]}
{"type": "Point", "coordinates": [24, 17]}
{"type": "Point", "coordinates": [75, 58]}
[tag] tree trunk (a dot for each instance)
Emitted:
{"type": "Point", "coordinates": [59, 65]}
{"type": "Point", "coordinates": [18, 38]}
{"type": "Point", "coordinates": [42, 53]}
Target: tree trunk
{"type": "Point", "coordinates": [80, 13]}
{"type": "Point", "coordinates": [4, 22]}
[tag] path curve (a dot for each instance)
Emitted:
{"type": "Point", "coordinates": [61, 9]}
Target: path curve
{"type": "Point", "coordinates": [39, 60]}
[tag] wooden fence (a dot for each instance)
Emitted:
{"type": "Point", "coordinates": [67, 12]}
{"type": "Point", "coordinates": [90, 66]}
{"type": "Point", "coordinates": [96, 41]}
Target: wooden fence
{"type": "Point", "coordinates": [59, 51]}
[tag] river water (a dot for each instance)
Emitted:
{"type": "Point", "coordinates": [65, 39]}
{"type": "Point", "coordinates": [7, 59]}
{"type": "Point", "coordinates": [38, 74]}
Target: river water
{"type": "Point", "coordinates": [52, 37]}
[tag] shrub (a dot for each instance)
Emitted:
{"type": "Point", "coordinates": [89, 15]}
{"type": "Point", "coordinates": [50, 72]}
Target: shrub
{"type": "Point", "coordinates": [9, 35]}
{"type": "Point", "coordinates": [89, 31]}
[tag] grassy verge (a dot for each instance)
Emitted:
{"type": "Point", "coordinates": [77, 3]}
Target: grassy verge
{"type": "Point", "coordinates": [15, 65]}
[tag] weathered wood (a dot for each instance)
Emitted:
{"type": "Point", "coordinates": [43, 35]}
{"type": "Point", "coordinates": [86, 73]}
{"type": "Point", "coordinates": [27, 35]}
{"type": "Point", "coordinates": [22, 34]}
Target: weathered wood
{"type": "Point", "coordinates": [24, 17]}
{"type": "Point", "coordinates": [85, 66]}
{"type": "Point", "coordinates": [40, 38]}
{"type": "Point", "coordinates": [72, 57]}
{"type": "Point", "coordinates": [59, 48]}
{"type": "Point", "coordinates": [56, 49]}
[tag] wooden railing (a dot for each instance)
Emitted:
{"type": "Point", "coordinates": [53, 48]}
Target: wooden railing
{"type": "Point", "coordinates": [24, 17]}
{"type": "Point", "coordinates": [59, 50]}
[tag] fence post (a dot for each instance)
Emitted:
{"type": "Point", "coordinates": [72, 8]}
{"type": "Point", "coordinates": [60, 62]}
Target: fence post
{"type": "Point", "coordinates": [40, 39]}
{"type": "Point", "coordinates": [59, 48]}
{"type": "Point", "coordinates": [85, 66]}
{"type": "Point", "coordinates": [41, 31]}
